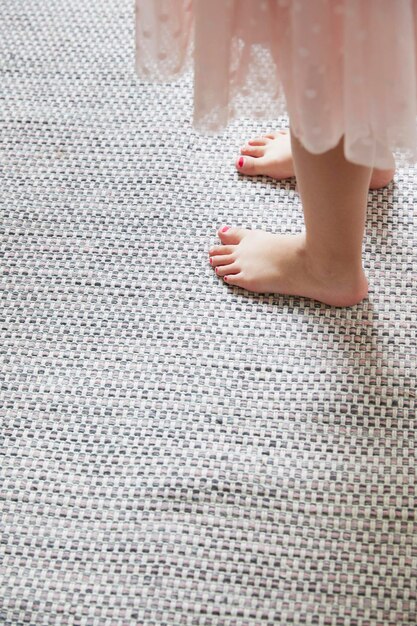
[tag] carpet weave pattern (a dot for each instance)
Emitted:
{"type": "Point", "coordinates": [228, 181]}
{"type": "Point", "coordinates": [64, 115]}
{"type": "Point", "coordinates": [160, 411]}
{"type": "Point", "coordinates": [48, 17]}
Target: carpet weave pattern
{"type": "Point", "coordinates": [174, 451]}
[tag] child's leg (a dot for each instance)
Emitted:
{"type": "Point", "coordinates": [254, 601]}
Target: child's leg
{"type": "Point", "coordinates": [324, 262]}
{"type": "Point", "coordinates": [334, 195]}
{"type": "Point", "coordinates": [271, 155]}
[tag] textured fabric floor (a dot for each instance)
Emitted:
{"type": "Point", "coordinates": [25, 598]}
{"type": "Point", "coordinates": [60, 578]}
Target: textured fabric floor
{"type": "Point", "coordinates": [175, 451]}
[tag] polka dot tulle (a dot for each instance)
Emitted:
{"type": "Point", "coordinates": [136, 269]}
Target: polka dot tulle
{"type": "Point", "coordinates": [338, 67]}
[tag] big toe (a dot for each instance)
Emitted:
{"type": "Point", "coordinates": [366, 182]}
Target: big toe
{"type": "Point", "coordinates": [229, 235]}
{"type": "Point", "coordinates": [250, 166]}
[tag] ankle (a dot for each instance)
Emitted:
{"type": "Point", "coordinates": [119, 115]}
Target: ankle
{"type": "Point", "coordinates": [329, 264]}
{"type": "Point", "coordinates": [347, 269]}
{"type": "Point", "coordinates": [344, 272]}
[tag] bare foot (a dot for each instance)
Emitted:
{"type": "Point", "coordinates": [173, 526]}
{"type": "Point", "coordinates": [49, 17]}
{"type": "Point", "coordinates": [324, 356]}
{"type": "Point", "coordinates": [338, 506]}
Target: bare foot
{"type": "Point", "coordinates": [268, 263]}
{"type": "Point", "coordinates": [270, 155]}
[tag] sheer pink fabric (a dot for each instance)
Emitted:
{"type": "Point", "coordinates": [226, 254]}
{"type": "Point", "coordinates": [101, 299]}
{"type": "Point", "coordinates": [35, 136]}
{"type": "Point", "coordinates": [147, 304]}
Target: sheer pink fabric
{"type": "Point", "coordinates": [346, 67]}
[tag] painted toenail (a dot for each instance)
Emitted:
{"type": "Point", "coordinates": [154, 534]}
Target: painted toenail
{"type": "Point", "coordinates": [215, 269]}
{"type": "Point", "coordinates": [211, 261]}
{"type": "Point", "coordinates": [225, 277]}
{"type": "Point", "coordinates": [225, 229]}
{"type": "Point", "coordinates": [241, 161]}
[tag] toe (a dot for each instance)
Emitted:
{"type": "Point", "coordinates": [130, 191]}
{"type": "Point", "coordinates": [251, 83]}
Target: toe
{"type": "Point", "coordinates": [222, 259]}
{"type": "Point", "coordinates": [224, 270]}
{"type": "Point", "coordinates": [215, 250]}
{"type": "Point", "coordinates": [235, 279]}
{"type": "Point", "coordinates": [254, 151]}
{"type": "Point", "coordinates": [249, 165]}
{"type": "Point", "coordinates": [258, 141]}
{"type": "Point", "coordinates": [278, 133]}
{"type": "Point", "coordinates": [230, 235]}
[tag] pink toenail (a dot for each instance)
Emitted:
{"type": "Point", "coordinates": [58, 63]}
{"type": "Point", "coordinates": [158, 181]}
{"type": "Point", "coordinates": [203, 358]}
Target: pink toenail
{"type": "Point", "coordinates": [215, 269]}
{"type": "Point", "coordinates": [225, 277]}
{"type": "Point", "coordinates": [225, 228]}
{"type": "Point", "coordinates": [241, 160]}
{"type": "Point", "coordinates": [211, 261]}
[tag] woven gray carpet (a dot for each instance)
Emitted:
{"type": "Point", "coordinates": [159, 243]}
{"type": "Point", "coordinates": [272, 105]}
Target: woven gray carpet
{"type": "Point", "coordinates": [176, 451]}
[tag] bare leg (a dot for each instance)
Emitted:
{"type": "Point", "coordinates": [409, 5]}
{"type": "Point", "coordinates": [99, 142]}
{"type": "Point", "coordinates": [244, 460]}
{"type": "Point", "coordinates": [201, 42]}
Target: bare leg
{"type": "Point", "coordinates": [271, 155]}
{"type": "Point", "coordinates": [325, 261]}
{"type": "Point", "coordinates": [334, 195]}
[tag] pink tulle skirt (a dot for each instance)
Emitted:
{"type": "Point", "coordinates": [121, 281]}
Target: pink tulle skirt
{"type": "Point", "coordinates": [337, 67]}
